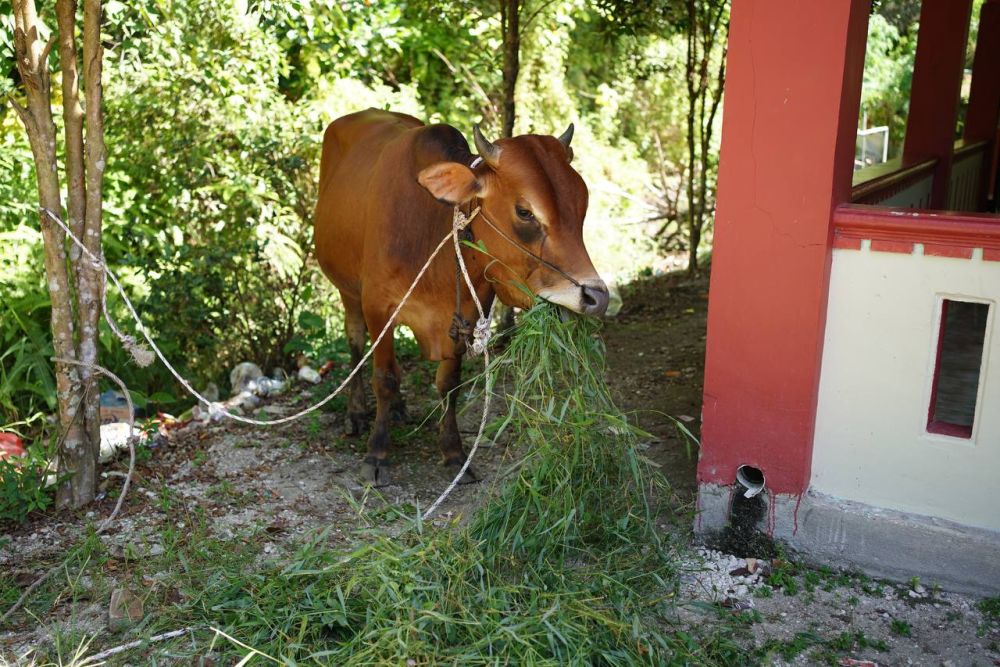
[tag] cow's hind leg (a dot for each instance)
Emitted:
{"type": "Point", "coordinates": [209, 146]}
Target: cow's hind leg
{"type": "Point", "coordinates": [449, 377]}
{"type": "Point", "coordinates": [386, 382]}
{"type": "Point", "coordinates": [357, 404]}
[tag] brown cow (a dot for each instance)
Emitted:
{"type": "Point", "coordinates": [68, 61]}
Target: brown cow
{"type": "Point", "coordinates": [388, 188]}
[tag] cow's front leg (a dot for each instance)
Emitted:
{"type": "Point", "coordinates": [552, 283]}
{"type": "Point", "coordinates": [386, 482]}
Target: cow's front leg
{"type": "Point", "coordinates": [385, 381]}
{"type": "Point", "coordinates": [449, 376]}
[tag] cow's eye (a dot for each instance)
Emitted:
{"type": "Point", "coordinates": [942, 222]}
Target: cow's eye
{"type": "Point", "coordinates": [524, 214]}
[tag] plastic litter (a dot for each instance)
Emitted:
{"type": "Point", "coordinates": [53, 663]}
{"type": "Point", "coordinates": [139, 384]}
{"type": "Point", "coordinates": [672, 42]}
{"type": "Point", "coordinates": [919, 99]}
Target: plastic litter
{"type": "Point", "coordinates": [211, 391]}
{"type": "Point", "coordinates": [241, 376]}
{"type": "Point", "coordinates": [114, 438]}
{"type": "Point", "coordinates": [310, 375]}
{"type": "Point", "coordinates": [265, 386]}
{"type": "Point", "coordinates": [114, 407]}
{"type": "Point", "coordinates": [11, 446]}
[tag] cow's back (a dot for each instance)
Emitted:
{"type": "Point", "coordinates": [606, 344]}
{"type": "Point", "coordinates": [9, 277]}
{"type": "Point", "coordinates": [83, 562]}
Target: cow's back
{"type": "Point", "coordinates": [375, 225]}
{"type": "Point", "coordinates": [349, 189]}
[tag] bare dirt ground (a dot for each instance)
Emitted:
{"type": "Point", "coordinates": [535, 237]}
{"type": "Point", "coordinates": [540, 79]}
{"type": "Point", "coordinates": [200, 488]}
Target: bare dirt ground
{"type": "Point", "coordinates": [256, 493]}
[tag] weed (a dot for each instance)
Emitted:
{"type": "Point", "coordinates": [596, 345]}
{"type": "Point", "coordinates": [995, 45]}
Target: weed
{"type": "Point", "coordinates": [990, 608]}
{"type": "Point", "coordinates": [790, 648]}
{"type": "Point", "coordinates": [872, 588]}
{"type": "Point", "coordinates": [783, 577]}
{"type": "Point", "coordinates": [901, 628]}
{"type": "Point", "coordinates": [849, 641]}
{"type": "Point", "coordinates": [314, 427]}
{"type": "Point", "coordinates": [23, 487]}
{"type": "Point", "coordinates": [853, 601]}
{"type": "Point", "coordinates": [165, 499]}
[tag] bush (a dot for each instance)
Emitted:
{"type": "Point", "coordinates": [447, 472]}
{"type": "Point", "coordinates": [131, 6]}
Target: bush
{"type": "Point", "coordinates": [23, 488]}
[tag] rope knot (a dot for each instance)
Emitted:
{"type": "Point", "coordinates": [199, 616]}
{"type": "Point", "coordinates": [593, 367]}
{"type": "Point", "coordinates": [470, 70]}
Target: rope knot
{"type": "Point", "coordinates": [460, 221]}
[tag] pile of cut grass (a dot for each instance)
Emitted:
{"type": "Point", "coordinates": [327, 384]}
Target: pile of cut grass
{"type": "Point", "coordinates": [563, 564]}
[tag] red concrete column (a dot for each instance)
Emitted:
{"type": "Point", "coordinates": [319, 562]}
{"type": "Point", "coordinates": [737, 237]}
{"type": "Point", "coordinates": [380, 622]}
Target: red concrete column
{"type": "Point", "coordinates": [937, 84]}
{"type": "Point", "coordinates": [983, 114]}
{"type": "Point", "coordinates": [792, 94]}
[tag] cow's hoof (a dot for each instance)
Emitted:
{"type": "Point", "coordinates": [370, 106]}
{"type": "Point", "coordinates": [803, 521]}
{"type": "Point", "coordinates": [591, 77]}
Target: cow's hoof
{"type": "Point", "coordinates": [375, 473]}
{"type": "Point", "coordinates": [468, 477]}
{"type": "Point", "coordinates": [355, 423]}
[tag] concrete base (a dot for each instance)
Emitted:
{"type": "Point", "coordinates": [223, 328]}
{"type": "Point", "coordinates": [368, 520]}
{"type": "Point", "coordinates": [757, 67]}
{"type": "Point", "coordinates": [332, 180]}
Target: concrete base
{"type": "Point", "coordinates": [880, 542]}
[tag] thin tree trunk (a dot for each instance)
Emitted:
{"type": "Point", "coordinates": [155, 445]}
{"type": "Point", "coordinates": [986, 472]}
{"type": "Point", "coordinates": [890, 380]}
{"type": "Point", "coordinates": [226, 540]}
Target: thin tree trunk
{"type": "Point", "coordinates": [693, 215]}
{"type": "Point", "coordinates": [704, 24]}
{"type": "Point", "coordinates": [91, 279]}
{"type": "Point", "coordinates": [78, 492]}
{"type": "Point", "coordinates": [510, 24]}
{"type": "Point", "coordinates": [31, 54]}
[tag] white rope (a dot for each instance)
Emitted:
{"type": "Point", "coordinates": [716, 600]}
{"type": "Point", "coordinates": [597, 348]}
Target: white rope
{"type": "Point", "coordinates": [479, 344]}
{"type": "Point", "coordinates": [481, 337]}
{"type": "Point", "coordinates": [215, 408]}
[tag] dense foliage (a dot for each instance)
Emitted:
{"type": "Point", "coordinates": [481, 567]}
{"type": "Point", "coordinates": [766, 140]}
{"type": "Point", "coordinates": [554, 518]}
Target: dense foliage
{"type": "Point", "coordinates": [892, 47]}
{"type": "Point", "coordinates": [214, 114]}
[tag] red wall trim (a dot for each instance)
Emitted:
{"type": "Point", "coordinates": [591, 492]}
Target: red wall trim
{"type": "Point", "coordinates": [944, 230]}
{"type": "Point", "coordinates": [904, 247]}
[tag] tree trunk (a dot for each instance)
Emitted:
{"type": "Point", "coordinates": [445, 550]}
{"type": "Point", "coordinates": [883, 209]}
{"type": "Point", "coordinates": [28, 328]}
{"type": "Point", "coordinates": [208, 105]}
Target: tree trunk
{"type": "Point", "coordinates": [91, 279]}
{"type": "Point", "coordinates": [32, 63]}
{"type": "Point", "coordinates": [704, 22]}
{"type": "Point", "coordinates": [693, 214]}
{"type": "Point", "coordinates": [87, 309]}
{"type": "Point", "coordinates": [75, 312]}
{"type": "Point", "coordinates": [510, 24]}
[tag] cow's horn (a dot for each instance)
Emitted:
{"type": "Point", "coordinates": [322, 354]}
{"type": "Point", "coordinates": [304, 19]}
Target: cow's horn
{"type": "Point", "coordinates": [489, 152]}
{"type": "Point", "coordinates": [566, 136]}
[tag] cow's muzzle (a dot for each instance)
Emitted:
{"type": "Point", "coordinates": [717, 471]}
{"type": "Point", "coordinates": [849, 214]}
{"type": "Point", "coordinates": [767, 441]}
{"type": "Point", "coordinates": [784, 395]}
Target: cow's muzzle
{"type": "Point", "coordinates": [589, 298]}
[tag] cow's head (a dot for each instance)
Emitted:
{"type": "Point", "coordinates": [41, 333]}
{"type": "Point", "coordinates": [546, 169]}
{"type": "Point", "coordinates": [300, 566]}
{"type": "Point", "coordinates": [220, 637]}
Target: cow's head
{"type": "Point", "coordinates": [527, 188]}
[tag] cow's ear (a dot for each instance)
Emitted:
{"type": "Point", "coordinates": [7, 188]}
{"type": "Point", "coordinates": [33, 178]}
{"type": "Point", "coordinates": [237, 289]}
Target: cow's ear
{"type": "Point", "coordinates": [450, 182]}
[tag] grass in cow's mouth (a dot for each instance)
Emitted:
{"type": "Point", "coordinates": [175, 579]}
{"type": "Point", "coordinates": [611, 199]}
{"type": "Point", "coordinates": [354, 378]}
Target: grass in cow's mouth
{"type": "Point", "coordinates": [563, 565]}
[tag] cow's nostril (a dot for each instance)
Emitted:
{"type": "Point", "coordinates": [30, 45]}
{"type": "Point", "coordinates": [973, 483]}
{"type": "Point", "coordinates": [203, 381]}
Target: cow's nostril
{"type": "Point", "coordinates": [594, 299]}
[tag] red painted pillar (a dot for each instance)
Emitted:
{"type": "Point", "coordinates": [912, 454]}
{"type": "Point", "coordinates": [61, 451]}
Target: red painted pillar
{"type": "Point", "coordinates": [793, 89]}
{"type": "Point", "coordinates": [937, 84]}
{"type": "Point", "coordinates": [983, 114]}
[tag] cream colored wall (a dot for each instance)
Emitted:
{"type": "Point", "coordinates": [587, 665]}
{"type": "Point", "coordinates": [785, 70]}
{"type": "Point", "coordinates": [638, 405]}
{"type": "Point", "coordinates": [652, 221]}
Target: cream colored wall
{"type": "Point", "coordinates": [871, 443]}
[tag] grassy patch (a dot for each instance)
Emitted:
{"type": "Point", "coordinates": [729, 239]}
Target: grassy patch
{"type": "Point", "coordinates": [563, 564]}
{"type": "Point", "coordinates": [990, 608]}
{"type": "Point", "coordinates": [901, 628]}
